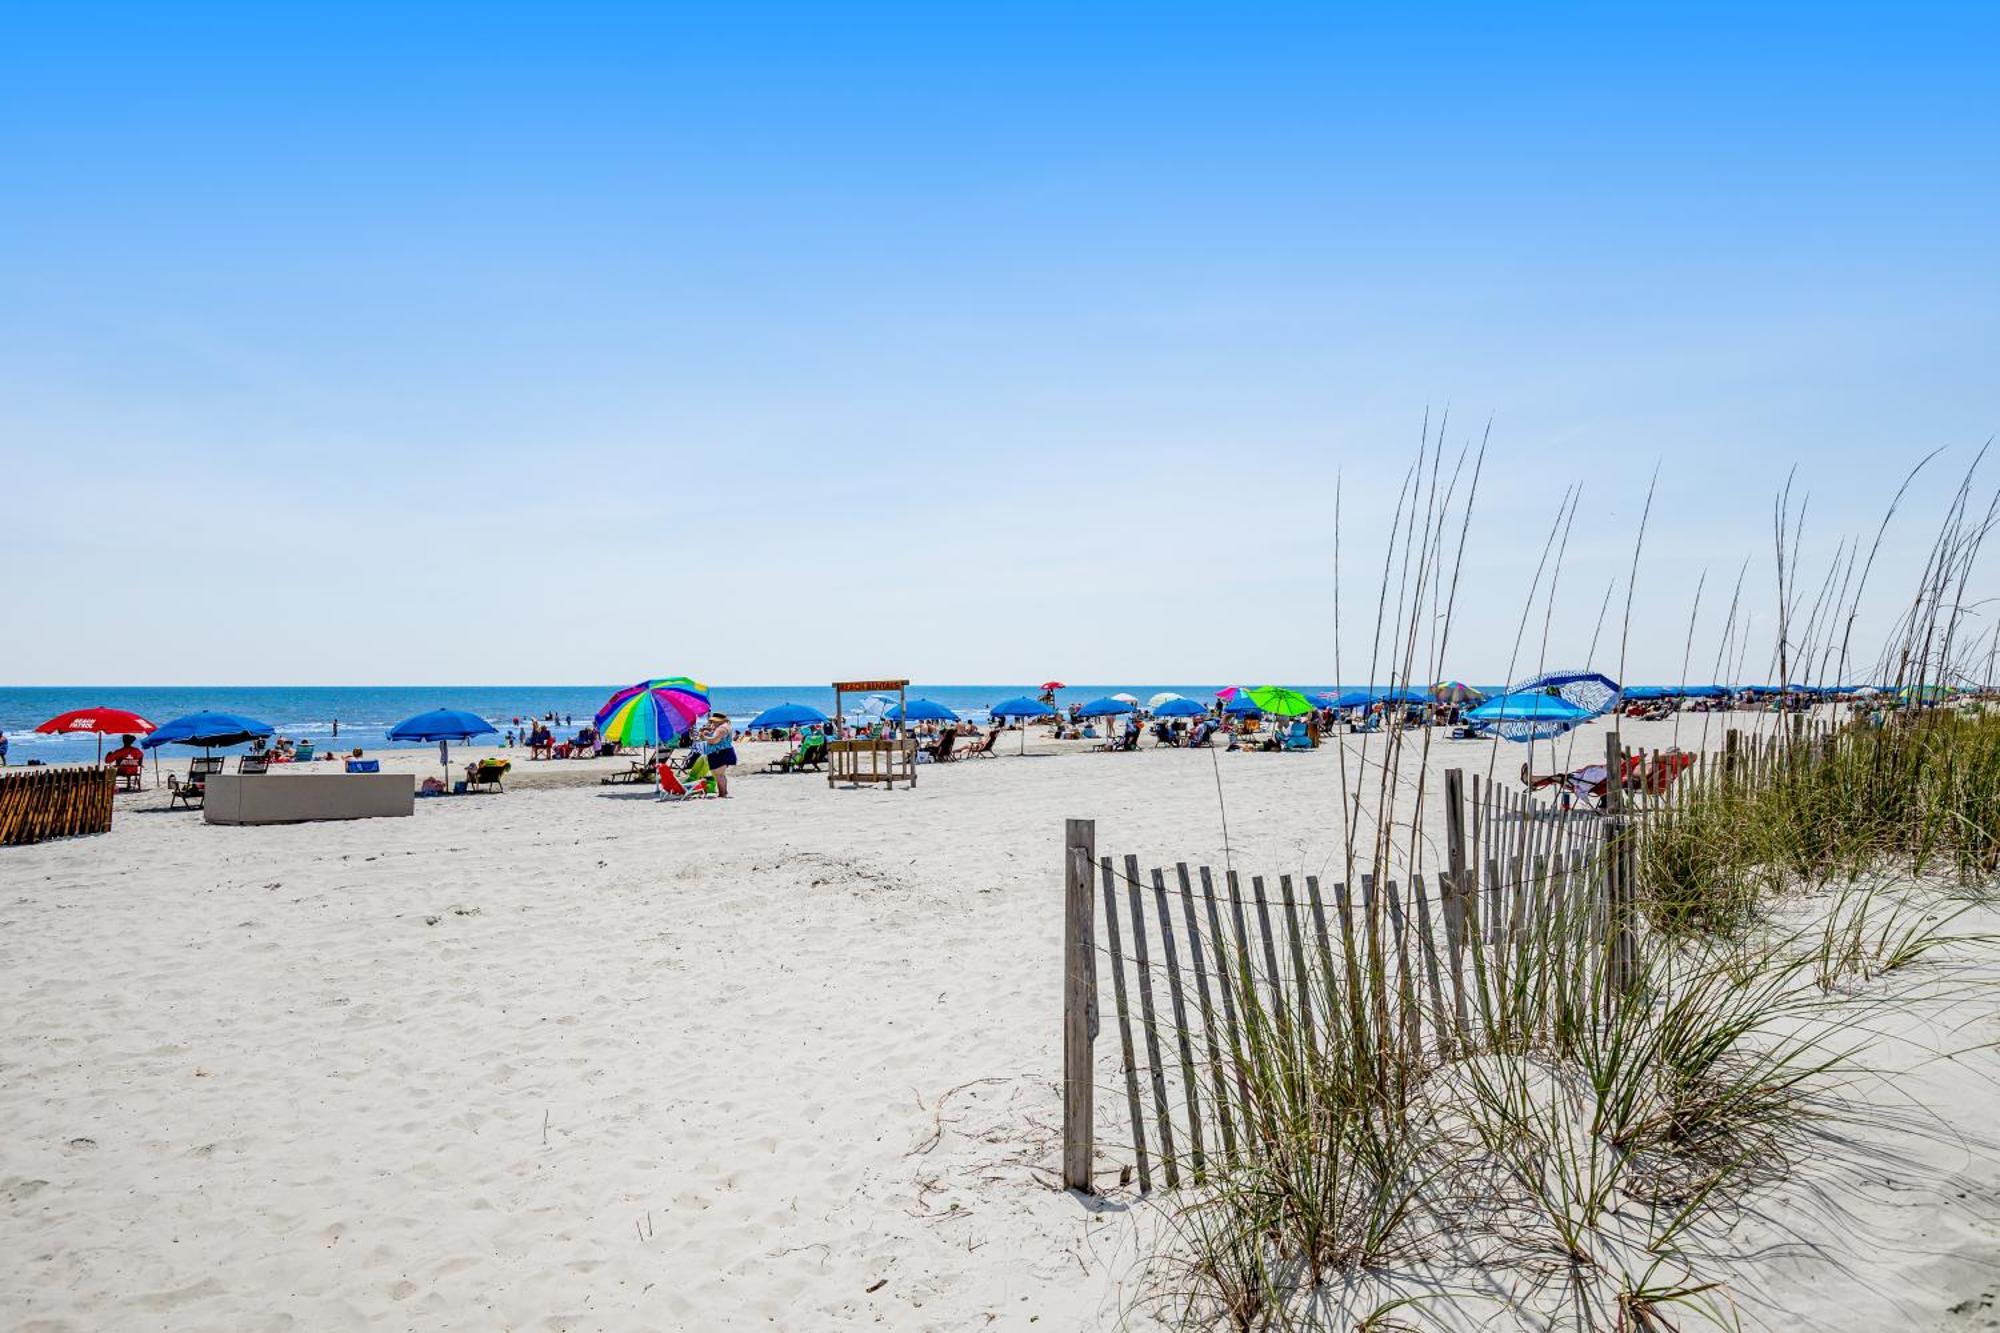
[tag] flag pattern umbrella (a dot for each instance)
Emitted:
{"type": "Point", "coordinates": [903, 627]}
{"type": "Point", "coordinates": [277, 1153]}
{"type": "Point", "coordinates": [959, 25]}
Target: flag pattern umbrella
{"type": "Point", "coordinates": [1456, 692]}
{"type": "Point", "coordinates": [653, 712]}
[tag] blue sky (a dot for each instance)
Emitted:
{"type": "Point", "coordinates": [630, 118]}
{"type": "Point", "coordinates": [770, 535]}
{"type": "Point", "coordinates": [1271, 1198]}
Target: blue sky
{"type": "Point", "coordinates": [503, 343]}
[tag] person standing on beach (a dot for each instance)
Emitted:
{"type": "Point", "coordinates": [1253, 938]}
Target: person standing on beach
{"type": "Point", "coordinates": [718, 744]}
{"type": "Point", "coordinates": [3, 749]}
{"type": "Point", "coordinates": [336, 728]}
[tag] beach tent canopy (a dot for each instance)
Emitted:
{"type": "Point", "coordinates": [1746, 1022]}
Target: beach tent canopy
{"type": "Point", "coordinates": [787, 715]}
{"type": "Point", "coordinates": [1528, 716]}
{"type": "Point", "coordinates": [1104, 708]}
{"type": "Point", "coordinates": [1592, 691]}
{"type": "Point", "coordinates": [1021, 706]}
{"type": "Point", "coordinates": [441, 724]}
{"type": "Point", "coordinates": [207, 730]}
{"type": "Point", "coordinates": [921, 710]}
{"type": "Point", "coordinates": [1179, 707]}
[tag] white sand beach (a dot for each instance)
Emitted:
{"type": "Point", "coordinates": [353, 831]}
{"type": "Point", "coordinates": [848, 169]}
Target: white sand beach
{"type": "Point", "coordinates": [568, 1058]}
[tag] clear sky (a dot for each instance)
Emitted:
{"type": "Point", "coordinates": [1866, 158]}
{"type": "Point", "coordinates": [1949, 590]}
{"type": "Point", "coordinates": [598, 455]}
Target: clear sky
{"type": "Point", "coordinates": [495, 343]}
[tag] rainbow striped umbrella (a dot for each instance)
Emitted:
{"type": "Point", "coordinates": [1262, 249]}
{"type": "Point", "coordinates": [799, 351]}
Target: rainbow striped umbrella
{"type": "Point", "coordinates": [652, 712]}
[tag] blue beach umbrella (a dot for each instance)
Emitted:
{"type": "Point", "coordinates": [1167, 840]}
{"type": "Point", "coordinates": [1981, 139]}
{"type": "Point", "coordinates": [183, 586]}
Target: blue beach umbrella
{"type": "Point", "coordinates": [788, 715]}
{"type": "Point", "coordinates": [443, 725]}
{"type": "Point", "coordinates": [921, 710]}
{"type": "Point", "coordinates": [207, 730]}
{"type": "Point", "coordinates": [1242, 706]}
{"type": "Point", "coordinates": [1180, 708]}
{"type": "Point", "coordinates": [1104, 708]}
{"type": "Point", "coordinates": [1021, 706]}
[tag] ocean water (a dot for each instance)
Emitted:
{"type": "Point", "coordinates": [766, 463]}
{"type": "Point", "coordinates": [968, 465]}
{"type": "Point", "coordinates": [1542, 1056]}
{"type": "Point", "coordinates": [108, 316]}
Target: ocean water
{"type": "Point", "coordinates": [366, 712]}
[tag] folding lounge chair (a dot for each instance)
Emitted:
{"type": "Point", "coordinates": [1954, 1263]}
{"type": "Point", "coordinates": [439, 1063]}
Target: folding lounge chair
{"type": "Point", "coordinates": [191, 791]}
{"type": "Point", "coordinates": [678, 786]}
{"type": "Point", "coordinates": [131, 774]}
{"type": "Point", "coordinates": [253, 764]}
{"type": "Point", "coordinates": [1299, 737]}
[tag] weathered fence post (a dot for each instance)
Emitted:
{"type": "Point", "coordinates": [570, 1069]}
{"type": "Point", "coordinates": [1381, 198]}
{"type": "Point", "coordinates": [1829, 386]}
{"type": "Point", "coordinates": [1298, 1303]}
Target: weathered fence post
{"type": "Point", "coordinates": [1618, 871]}
{"type": "Point", "coordinates": [1457, 899]}
{"type": "Point", "coordinates": [1079, 1000]}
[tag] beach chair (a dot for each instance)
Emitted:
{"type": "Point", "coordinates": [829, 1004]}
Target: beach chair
{"type": "Point", "coordinates": [809, 753]}
{"type": "Point", "coordinates": [304, 754]}
{"type": "Point", "coordinates": [189, 792]}
{"type": "Point", "coordinates": [983, 750]}
{"type": "Point", "coordinates": [1299, 737]}
{"type": "Point", "coordinates": [941, 750]}
{"type": "Point", "coordinates": [253, 764]}
{"type": "Point", "coordinates": [696, 782]}
{"type": "Point", "coordinates": [486, 775]}
{"type": "Point", "coordinates": [131, 774]}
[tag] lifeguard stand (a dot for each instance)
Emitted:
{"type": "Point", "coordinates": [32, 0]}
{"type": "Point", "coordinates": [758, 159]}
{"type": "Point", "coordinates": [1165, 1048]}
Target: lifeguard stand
{"type": "Point", "coordinates": [870, 759]}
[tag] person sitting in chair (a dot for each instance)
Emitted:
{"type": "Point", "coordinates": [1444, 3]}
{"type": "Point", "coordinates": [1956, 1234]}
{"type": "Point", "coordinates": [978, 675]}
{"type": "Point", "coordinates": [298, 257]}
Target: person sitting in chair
{"type": "Point", "coordinates": [126, 755]}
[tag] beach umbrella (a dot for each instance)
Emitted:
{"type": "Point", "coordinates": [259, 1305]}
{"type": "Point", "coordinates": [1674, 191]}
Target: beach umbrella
{"type": "Point", "coordinates": [1592, 691]}
{"type": "Point", "coordinates": [99, 721]}
{"type": "Point", "coordinates": [1164, 696]}
{"type": "Point", "coordinates": [1022, 707]}
{"type": "Point", "coordinates": [1354, 699]}
{"type": "Point", "coordinates": [443, 725]}
{"type": "Point", "coordinates": [653, 712]}
{"type": "Point", "coordinates": [1528, 716]}
{"type": "Point", "coordinates": [1104, 708]}
{"type": "Point", "coordinates": [1179, 707]}
{"type": "Point", "coordinates": [1051, 686]}
{"type": "Point", "coordinates": [1132, 699]}
{"type": "Point", "coordinates": [207, 730]}
{"type": "Point", "coordinates": [1242, 706]}
{"type": "Point", "coordinates": [1456, 692]}
{"type": "Point", "coordinates": [921, 710]}
{"type": "Point", "coordinates": [1280, 702]}
{"type": "Point", "coordinates": [1228, 692]}
{"type": "Point", "coordinates": [788, 715]}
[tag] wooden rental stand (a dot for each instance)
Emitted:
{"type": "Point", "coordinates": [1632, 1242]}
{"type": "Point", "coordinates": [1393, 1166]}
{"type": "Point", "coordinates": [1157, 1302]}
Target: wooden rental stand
{"type": "Point", "coordinates": [869, 760]}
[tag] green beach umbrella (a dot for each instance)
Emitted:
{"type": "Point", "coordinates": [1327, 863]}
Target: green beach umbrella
{"type": "Point", "coordinates": [1279, 701]}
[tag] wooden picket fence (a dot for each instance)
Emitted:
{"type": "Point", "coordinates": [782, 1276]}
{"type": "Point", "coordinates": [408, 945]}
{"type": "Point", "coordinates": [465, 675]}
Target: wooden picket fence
{"type": "Point", "coordinates": [41, 803]}
{"type": "Point", "coordinates": [1204, 964]}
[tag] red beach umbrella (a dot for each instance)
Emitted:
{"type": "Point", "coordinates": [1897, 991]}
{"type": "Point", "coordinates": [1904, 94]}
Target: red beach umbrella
{"type": "Point", "coordinates": [1053, 685]}
{"type": "Point", "coordinates": [101, 721]}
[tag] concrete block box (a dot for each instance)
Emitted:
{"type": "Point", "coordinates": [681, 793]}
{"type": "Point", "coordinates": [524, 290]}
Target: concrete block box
{"type": "Point", "coordinates": [295, 798]}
